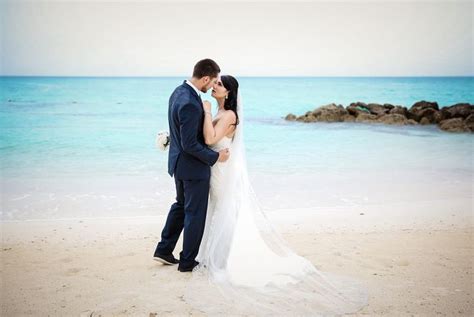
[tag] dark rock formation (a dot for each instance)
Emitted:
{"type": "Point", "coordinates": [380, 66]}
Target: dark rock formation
{"type": "Point", "coordinates": [428, 115]}
{"type": "Point", "coordinates": [356, 108]}
{"type": "Point", "coordinates": [420, 108]}
{"type": "Point", "coordinates": [460, 110]}
{"type": "Point", "coordinates": [394, 118]}
{"type": "Point", "coordinates": [399, 110]}
{"type": "Point", "coordinates": [454, 125]}
{"type": "Point", "coordinates": [366, 117]}
{"type": "Point", "coordinates": [455, 118]}
{"type": "Point", "coordinates": [377, 109]}
{"type": "Point", "coordinates": [469, 122]}
{"type": "Point", "coordinates": [348, 118]}
{"type": "Point", "coordinates": [330, 113]}
{"type": "Point", "coordinates": [420, 105]}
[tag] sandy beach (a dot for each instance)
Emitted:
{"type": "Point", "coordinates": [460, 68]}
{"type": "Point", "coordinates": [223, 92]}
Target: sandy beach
{"type": "Point", "coordinates": [104, 266]}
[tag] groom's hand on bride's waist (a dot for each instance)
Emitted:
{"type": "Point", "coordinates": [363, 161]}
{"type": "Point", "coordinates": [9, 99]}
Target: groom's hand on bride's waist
{"type": "Point", "coordinates": [223, 155]}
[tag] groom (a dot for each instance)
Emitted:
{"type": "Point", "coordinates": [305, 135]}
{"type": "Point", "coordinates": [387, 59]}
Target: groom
{"type": "Point", "coordinates": [189, 161]}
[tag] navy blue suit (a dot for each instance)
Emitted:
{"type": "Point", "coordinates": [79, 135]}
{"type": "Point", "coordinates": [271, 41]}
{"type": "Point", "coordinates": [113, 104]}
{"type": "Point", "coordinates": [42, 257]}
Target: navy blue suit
{"type": "Point", "coordinates": [190, 162]}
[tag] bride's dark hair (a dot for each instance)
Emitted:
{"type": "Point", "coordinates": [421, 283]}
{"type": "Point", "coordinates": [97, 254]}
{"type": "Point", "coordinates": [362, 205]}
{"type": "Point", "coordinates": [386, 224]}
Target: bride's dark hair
{"type": "Point", "coordinates": [232, 85]}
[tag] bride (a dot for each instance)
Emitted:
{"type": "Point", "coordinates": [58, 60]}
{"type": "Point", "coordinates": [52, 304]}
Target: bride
{"type": "Point", "coordinates": [245, 267]}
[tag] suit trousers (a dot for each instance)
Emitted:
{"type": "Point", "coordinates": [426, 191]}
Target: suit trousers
{"type": "Point", "coordinates": [188, 213]}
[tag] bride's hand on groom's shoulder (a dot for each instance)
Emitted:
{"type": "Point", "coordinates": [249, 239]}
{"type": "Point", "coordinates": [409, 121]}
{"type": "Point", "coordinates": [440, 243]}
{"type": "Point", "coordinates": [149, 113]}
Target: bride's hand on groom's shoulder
{"type": "Point", "coordinates": [206, 105]}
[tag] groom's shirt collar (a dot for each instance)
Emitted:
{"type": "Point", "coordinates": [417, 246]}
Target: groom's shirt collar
{"type": "Point", "coordinates": [194, 87]}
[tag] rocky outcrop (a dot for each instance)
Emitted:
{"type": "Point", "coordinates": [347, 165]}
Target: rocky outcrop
{"type": "Point", "coordinates": [366, 117]}
{"type": "Point", "coordinates": [330, 113]}
{"type": "Point", "coordinates": [423, 109]}
{"type": "Point", "coordinates": [356, 108]}
{"type": "Point", "coordinates": [399, 110]}
{"type": "Point", "coordinates": [377, 109]}
{"type": "Point", "coordinates": [348, 118]}
{"type": "Point", "coordinates": [454, 125]}
{"type": "Point", "coordinates": [455, 118]}
{"type": "Point", "coordinates": [460, 110]}
{"type": "Point", "coordinates": [394, 118]}
{"type": "Point", "coordinates": [469, 122]}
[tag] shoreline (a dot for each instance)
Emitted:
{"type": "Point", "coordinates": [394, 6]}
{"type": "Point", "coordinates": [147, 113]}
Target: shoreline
{"type": "Point", "coordinates": [442, 214]}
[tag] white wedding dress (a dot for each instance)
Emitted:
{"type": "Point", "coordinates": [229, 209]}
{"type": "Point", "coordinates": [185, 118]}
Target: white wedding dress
{"type": "Point", "coordinates": [245, 267]}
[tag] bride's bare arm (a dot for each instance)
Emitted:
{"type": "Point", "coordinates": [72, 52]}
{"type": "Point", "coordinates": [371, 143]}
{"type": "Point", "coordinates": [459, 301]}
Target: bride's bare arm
{"type": "Point", "coordinates": [213, 134]}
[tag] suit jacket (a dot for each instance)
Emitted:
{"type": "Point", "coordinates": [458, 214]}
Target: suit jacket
{"type": "Point", "coordinates": [189, 157]}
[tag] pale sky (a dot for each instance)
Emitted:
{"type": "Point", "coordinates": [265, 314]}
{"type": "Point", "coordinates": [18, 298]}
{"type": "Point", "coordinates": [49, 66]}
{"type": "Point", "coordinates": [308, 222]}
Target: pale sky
{"type": "Point", "coordinates": [264, 38]}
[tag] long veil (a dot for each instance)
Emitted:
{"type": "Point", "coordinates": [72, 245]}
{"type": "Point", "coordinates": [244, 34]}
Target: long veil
{"type": "Point", "coordinates": [247, 268]}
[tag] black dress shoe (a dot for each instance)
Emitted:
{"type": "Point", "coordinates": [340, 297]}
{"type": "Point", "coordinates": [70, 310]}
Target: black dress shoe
{"type": "Point", "coordinates": [188, 269]}
{"type": "Point", "coordinates": [165, 259]}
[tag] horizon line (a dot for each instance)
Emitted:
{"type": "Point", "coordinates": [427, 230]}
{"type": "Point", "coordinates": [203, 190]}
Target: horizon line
{"type": "Point", "coordinates": [247, 76]}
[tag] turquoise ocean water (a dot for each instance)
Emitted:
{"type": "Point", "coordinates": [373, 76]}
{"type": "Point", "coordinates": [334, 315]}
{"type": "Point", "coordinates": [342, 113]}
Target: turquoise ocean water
{"type": "Point", "coordinates": [84, 147]}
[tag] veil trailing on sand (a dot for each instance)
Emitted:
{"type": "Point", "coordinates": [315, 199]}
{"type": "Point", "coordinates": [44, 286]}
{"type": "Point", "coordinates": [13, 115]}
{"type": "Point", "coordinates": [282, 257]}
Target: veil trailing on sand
{"type": "Point", "coordinates": [246, 268]}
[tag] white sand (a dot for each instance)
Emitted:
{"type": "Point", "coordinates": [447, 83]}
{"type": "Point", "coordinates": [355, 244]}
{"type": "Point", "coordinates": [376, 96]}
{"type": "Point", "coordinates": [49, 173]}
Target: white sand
{"type": "Point", "coordinates": [412, 265]}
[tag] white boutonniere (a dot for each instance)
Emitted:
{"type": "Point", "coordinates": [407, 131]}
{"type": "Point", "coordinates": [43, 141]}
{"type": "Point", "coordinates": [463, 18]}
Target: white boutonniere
{"type": "Point", "coordinates": [163, 140]}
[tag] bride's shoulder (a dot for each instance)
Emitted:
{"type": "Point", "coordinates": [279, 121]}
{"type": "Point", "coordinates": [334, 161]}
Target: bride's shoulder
{"type": "Point", "coordinates": [229, 115]}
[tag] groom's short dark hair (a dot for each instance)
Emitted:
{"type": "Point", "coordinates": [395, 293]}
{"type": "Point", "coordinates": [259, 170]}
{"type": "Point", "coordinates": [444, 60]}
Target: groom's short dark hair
{"type": "Point", "coordinates": [206, 67]}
